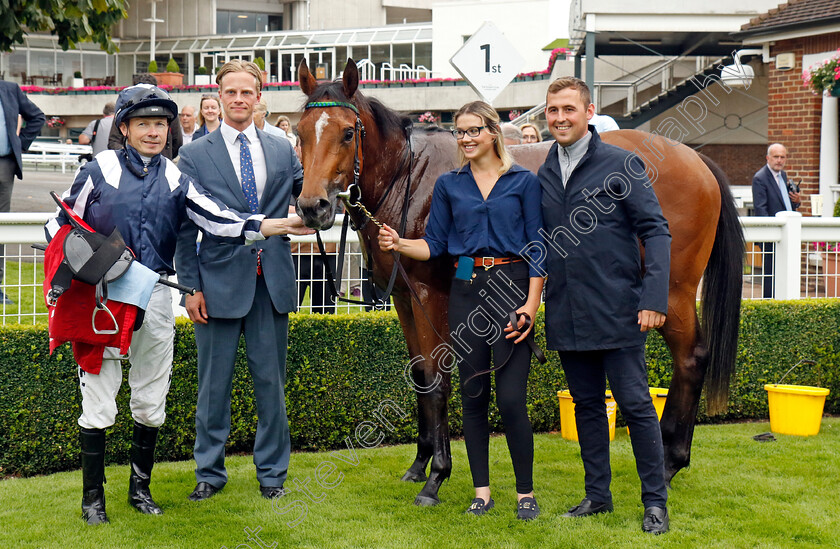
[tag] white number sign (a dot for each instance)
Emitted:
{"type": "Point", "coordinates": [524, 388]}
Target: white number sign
{"type": "Point", "coordinates": [488, 61]}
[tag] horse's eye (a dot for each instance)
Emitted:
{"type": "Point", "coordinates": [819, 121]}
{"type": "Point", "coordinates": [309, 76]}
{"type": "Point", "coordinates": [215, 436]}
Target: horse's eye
{"type": "Point", "coordinates": [348, 135]}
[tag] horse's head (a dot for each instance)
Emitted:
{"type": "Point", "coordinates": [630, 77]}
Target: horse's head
{"type": "Point", "coordinates": [331, 144]}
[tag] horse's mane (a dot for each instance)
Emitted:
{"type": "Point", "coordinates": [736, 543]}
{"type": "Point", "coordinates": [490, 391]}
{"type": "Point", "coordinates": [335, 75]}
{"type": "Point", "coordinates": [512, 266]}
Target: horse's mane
{"type": "Point", "coordinates": [388, 121]}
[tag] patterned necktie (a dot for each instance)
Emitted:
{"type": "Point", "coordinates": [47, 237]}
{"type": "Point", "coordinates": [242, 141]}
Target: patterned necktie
{"type": "Point", "coordinates": [249, 181]}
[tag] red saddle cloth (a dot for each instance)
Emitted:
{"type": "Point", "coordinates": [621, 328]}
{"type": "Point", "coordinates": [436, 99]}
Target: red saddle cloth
{"type": "Point", "coordinates": [72, 317]}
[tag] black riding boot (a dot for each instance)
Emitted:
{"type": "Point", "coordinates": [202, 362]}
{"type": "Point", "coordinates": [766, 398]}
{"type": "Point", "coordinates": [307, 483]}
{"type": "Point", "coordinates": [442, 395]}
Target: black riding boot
{"type": "Point", "coordinates": [142, 461]}
{"type": "Point", "coordinates": [93, 475]}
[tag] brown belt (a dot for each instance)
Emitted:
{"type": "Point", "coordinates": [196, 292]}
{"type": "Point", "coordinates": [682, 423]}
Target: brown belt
{"type": "Point", "coordinates": [488, 262]}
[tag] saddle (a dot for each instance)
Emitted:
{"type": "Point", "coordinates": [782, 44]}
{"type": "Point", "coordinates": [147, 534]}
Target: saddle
{"type": "Point", "coordinates": [91, 258]}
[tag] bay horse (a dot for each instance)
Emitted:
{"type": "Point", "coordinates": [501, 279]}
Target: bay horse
{"type": "Point", "coordinates": [343, 132]}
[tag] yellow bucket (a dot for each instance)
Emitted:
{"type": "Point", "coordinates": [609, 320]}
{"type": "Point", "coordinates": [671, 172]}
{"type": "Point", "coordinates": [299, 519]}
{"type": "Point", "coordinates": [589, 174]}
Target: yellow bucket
{"type": "Point", "coordinates": [568, 427]}
{"type": "Point", "coordinates": [795, 409]}
{"type": "Point", "coordinates": [658, 395]}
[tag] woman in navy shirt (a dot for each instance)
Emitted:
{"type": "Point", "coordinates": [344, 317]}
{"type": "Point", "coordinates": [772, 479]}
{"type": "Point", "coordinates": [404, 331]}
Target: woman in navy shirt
{"type": "Point", "coordinates": [485, 214]}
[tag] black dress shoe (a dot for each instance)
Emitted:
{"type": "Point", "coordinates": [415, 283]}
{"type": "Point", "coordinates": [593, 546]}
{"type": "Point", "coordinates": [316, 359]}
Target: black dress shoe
{"type": "Point", "coordinates": [203, 490]}
{"type": "Point", "coordinates": [588, 507]}
{"type": "Point", "coordinates": [656, 520]}
{"type": "Point", "coordinates": [272, 492]}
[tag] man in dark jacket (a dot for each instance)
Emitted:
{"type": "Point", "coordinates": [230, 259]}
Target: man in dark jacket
{"type": "Point", "coordinates": [597, 205]}
{"type": "Point", "coordinates": [14, 103]}
{"type": "Point", "coordinates": [773, 193]}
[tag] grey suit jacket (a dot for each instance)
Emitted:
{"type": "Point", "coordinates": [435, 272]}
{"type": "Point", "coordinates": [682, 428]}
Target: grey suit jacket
{"type": "Point", "coordinates": [226, 272]}
{"type": "Point", "coordinates": [767, 197]}
{"type": "Point", "coordinates": [16, 103]}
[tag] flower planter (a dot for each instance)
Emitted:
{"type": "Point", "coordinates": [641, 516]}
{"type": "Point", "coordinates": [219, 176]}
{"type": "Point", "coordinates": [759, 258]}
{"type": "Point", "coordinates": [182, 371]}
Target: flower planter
{"type": "Point", "coordinates": [78, 82]}
{"type": "Point", "coordinates": [169, 78]}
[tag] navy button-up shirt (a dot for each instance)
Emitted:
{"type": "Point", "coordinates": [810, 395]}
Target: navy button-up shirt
{"type": "Point", "coordinates": [462, 222]}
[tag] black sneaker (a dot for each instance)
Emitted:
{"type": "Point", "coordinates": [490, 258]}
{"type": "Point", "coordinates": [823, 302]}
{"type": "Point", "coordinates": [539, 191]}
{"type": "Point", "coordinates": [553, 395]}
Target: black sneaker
{"type": "Point", "coordinates": [478, 507]}
{"type": "Point", "coordinates": [5, 300]}
{"type": "Point", "coordinates": [527, 509]}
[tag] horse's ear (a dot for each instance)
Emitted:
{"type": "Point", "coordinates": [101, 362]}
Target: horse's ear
{"type": "Point", "coordinates": [307, 81]}
{"type": "Point", "coordinates": [351, 78]}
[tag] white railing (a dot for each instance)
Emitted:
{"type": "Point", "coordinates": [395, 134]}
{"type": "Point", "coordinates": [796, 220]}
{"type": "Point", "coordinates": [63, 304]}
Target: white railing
{"type": "Point", "coordinates": [61, 154]}
{"type": "Point", "coordinates": [805, 260]}
{"type": "Point", "coordinates": [403, 72]}
{"type": "Point", "coordinates": [24, 272]}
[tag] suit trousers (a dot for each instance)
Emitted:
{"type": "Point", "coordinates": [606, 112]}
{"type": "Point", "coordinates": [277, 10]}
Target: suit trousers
{"type": "Point", "coordinates": [586, 372]}
{"type": "Point", "coordinates": [478, 312]}
{"type": "Point", "coordinates": [7, 183]}
{"type": "Point", "coordinates": [767, 258]}
{"type": "Point", "coordinates": [266, 335]}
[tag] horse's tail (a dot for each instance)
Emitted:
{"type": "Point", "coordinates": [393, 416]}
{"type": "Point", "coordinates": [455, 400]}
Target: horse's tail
{"type": "Point", "coordinates": [721, 309]}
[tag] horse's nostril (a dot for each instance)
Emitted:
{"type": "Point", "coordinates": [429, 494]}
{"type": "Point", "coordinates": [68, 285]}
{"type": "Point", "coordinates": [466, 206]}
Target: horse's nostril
{"type": "Point", "coordinates": [323, 204]}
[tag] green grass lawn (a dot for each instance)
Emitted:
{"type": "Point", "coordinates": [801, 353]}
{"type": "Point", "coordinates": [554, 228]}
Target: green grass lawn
{"type": "Point", "coordinates": [738, 493]}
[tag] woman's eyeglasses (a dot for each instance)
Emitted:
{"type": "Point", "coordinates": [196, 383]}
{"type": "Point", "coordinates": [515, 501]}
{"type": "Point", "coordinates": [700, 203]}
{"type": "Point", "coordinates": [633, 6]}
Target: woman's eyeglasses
{"type": "Point", "coordinates": [472, 132]}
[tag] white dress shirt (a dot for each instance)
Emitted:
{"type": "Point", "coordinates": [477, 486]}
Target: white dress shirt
{"type": "Point", "coordinates": [780, 182]}
{"type": "Point", "coordinates": [231, 137]}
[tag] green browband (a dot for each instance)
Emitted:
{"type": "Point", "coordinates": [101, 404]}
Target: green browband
{"type": "Point", "coordinates": [318, 104]}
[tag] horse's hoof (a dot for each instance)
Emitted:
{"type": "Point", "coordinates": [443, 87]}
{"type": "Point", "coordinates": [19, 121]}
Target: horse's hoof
{"type": "Point", "coordinates": [411, 476]}
{"type": "Point", "coordinates": [426, 501]}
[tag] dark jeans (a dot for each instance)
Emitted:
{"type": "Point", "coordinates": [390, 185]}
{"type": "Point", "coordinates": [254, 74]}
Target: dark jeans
{"type": "Point", "coordinates": [586, 372]}
{"type": "Point", "coordinates": [470, 305]}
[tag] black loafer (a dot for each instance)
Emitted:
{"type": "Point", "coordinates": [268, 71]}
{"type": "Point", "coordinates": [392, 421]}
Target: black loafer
{"type": "Point", "coordinates": [203, 490]}
{"type": "Point", "coordinates": [478, 506]}
{"type": "Point", "coordinates": [655, 521]}
{"type": "Point", "coordinates": [527, 509]}
{"type": "Point", "coordinates": [588, 507]}
{"type": "Point", "coordinates": [272, 492]}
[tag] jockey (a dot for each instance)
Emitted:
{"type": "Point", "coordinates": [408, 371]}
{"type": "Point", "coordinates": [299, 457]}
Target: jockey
{"type": "Point", "coordinates": [146, 197]}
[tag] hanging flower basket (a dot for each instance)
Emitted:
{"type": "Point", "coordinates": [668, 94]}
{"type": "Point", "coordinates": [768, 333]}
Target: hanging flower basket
{"type": "Point", "coordinates": [824, 76]}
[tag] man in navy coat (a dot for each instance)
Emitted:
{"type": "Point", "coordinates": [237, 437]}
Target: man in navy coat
{"type": "Point", "coordinates": [773, 193]}
{"type": "Point", "coordinates": [242, 289]}
{"type": "Point", "coordinates": [597, 206]}
{"type": "Point", "coordinates": [14, 103]}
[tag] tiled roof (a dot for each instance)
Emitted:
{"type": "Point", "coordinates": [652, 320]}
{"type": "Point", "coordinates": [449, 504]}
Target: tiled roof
{"type": "Point", "coordinates": [801, 13]}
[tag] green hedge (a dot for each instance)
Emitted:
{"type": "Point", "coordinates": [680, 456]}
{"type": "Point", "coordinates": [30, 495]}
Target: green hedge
{"type": "Point", "coordinates": [342, 367]}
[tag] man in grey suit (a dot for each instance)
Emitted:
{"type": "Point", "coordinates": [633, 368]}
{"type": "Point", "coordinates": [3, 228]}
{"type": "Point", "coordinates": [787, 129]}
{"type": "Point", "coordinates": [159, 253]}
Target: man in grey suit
{"type": "Point", "coordinates": [773, 193]}
{"type": "Point", "coordinates": [14, 103]}
{"type": "Point", "coordinates": [243, 289]}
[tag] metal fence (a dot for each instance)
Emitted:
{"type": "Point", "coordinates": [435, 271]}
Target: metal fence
{"type": "Point", "coordinates": [23, 272]}
{"type": "Point", "coordinates": [786, 257]}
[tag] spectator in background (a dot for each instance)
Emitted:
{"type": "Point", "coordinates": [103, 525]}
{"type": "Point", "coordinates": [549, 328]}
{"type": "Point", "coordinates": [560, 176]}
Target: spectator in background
{"type": "Point", "coordinates": [260, 112]}
{"type": "Point", "coordinates": [188, 125]}
{"type": "Point", "coordinates": [773, 192]}
{"type": "Point", "coordinates": [603, 123]}
{"type": "Point", "coordinates": [530, 134]}
{"type": "Point", "coordinates": [14, 139]}
{"type": "Point", "coordinates": [285, 124]}
{"type": "Point", "coordinates": [209, 115]}
{"type": "Point", "coordinates": [512, 134]}
{"type": "Point", "coordinates": [174, 139]}
{"type": "Point", "coordinates": [96, 133]}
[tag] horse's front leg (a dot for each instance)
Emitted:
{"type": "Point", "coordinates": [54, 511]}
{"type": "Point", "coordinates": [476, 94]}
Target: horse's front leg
{"type": "Point", "coordinates": [432, 369]}
{"type": "Point", "coordinates": [416, 378]}
{"type": "Point", "coordinates": [682, 334]}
